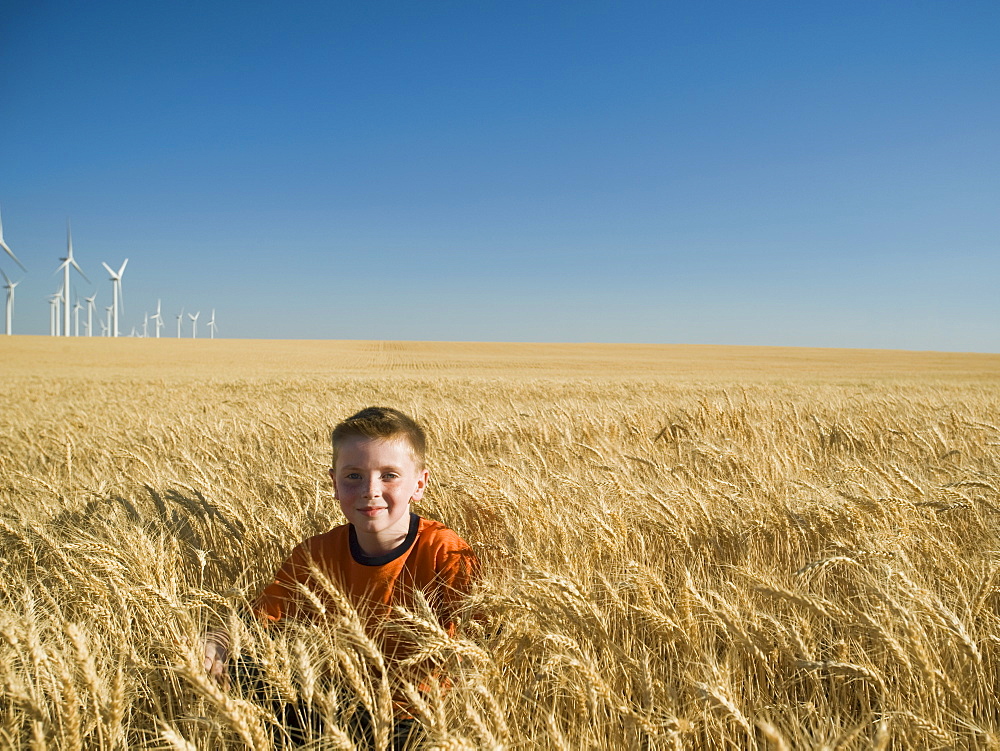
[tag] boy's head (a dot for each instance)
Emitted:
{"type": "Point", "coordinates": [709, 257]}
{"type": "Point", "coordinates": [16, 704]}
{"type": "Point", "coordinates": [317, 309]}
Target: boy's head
{"type": "Point", "coordinates": [382, 423]}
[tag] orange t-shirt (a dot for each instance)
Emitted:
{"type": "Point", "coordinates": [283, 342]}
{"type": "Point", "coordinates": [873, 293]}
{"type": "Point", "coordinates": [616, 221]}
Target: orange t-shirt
{"type": "Point", "coordinates": [432, 559]}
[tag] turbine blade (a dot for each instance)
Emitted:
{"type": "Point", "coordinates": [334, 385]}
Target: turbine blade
{"type": "Point", "coordinates": [77, 267]}
{"type": "Point", "coordinates": [122, 269]}
{"type": "Point", "coordinates": [109, 269]}
{"type": "Point", "coordinates": [11, 253]}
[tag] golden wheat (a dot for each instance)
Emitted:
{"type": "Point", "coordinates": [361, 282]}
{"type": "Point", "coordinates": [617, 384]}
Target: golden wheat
{"type": "Point", "coordinates": [675, 555]}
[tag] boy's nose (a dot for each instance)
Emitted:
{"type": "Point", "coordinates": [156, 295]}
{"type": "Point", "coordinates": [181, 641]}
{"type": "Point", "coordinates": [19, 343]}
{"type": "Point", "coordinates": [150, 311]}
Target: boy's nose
{"type": "Point", "coordinates": [372, 488]}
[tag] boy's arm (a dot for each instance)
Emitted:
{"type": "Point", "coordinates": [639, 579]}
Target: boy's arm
{"type": "Point", "coordinates": [280, 598]}
{"type": "Point", "coordinates": [457, 574]}
{"type": "Point", "coordinates": [272, 604]}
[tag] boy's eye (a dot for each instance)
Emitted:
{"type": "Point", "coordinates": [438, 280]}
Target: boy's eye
{"type": "Point", "coordinates": [354, 476]}
{"type": "Point", "coordinates": [390, 476]}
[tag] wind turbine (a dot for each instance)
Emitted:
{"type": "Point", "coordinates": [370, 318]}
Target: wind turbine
{"type": "Point", "coordinates": [66, 263]}
{"type": "Point", "coordinates": [158, 318]}
{"type": "Point", "coordinates": [107, 328]}
{"type": "Point", "coordinates": [9, 286]}
{"type": "Point", "coordinates": [194, 324]}
{"type": "Point", "coordinates": [76, 317]}
{"type": "Point", "coordinates": [58, 299]}
{"type": "Point", "coordinates": [180, 317]}
{"type": "Point", "coordinates": [211, 323]}
{"type": "Point", "coordinates": [116, 287]}
{"type": "Point", "coordinates": [9, 251]}
{"type": "Point", "coordinates": [54, 314]}
{"type": "Point", "coordinates": [145, 325]}
{"type": "Point", "coordinates": [90, 314]}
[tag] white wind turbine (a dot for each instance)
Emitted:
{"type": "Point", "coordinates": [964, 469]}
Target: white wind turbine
{"type": "Point", "coordinates": [211, 323]}
{"type": "Point", "coordinates": [54, 314]}
{"type": "Point", "coordinates": [9, 286]}
{"type": "Point", "coordinates": [59, 299]}
{"type": "Point", "coordinates": [180, 317]}
{"type": "Point", "coordinates": [9, 251]}
{"type": "Point", "coordinates": [107, 328]}
{"type": "Point", "coordinates": [158, 318]}
{"type": "Point", "coordinates": [66, 263]}
{"type": "Point", "coordinates": [194, 324]}
{"type": "Point", "coordinates": [90, 313]}
{"type": "Point", "coordinates": [76, 317]}
{"type": "Point", "coordinates": [145, 325]}
{"type": "Point", "coordinates": [116, 289]}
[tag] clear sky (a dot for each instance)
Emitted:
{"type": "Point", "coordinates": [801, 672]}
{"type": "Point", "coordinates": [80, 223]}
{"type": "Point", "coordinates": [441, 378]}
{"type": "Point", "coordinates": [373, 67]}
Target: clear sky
{"type": "Point", "coordinates": [778, 173]}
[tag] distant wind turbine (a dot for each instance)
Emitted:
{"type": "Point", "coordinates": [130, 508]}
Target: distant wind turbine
{"type": "Point", "coordinates": [54, 314]}
{"type": "Point", "coordinates": [90, 314]}
{"type": "Point", "coordinates": [116, 287]}
{"type": "Point", "coordinates": [9, 251]}
{"type": "Point", "coordinates": [66, 263]}
{"type": "Point", "coordinates": [60, 300]}
{"type": "Point", "coordinates": [145, 325]}
{"type": "Point", "coordinates": [158, 318]}
{"type": "Point", "coordinates": [76, 317]}
{"type": "Point", "coordinates": [9, 286]}
{"type": "Point", "coordinates": [194, 324]}
{"type": "Point", "coordinates": [180, 317]}
{"type": "Point", "coordinates": [211, 323]}
{"type": "Point", "coordinates": [107, 329]}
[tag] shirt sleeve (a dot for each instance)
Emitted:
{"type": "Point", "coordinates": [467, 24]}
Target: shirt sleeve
{"type": "Point", "coordinates": [457, 571]}
{"type": "Point", "coordinates": [279, 598]}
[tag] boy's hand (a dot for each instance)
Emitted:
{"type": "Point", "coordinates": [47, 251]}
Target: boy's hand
{"type": "Point", "coordinates": [216, 657]}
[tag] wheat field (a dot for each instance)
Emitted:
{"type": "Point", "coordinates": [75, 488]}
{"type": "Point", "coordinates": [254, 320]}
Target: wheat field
{"type": "Point", "coordinates": [683, 547]}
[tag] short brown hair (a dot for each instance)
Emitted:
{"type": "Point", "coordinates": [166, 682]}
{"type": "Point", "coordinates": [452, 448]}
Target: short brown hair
{"type": "Point", "coordinates": [382, 423]}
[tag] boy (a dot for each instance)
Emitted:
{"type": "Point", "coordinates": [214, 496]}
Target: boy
{"type": "Point", "coordinates": [385, 552]}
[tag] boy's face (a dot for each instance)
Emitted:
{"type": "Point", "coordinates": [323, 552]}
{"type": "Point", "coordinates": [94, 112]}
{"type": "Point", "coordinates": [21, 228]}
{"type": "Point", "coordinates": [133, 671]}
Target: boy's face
{"type": "Point", "coordinates": [375, 480]}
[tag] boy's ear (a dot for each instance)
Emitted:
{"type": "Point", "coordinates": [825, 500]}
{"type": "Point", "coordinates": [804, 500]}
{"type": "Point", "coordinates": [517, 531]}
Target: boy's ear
{"type": "Point", "coordinates": [333, 477]}
{"type": "Point", "coordinates": [421, 485]}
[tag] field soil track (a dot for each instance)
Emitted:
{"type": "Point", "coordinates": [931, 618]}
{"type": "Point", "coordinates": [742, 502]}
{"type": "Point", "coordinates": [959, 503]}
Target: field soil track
{"type": "Point", "coordinates": [238, 359]}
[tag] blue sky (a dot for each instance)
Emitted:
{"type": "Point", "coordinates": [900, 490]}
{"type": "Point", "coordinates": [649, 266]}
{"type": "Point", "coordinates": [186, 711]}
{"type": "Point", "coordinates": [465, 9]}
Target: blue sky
{"type": "Point", "coordinates": [774, 173]}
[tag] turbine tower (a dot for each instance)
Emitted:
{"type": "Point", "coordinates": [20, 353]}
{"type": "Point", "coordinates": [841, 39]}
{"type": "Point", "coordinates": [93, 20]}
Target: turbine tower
{"type": "Point", "coordinates": [194, 324]}
{"type": "Point", "coordinates": [116, 287]}
{"type": "Point", "coordinates": [9, 286]}
{"type": "Point", "coordinates": [158, 318]}
{"type": "Point", "coordinates": [106, 328]}
{"type": "Point", "coordinates": [180, 317]}
{"type": "Point", "coordinates": [90, 313]}
{"type": "Point", "coordinates": [76, 317]}
{"type": "Point", "coordinates": [66, 263]}
{"type": "Point", "coordinates": [54, 315]}
{"type": "Point", "coordinates": [9, 251]}
{"type": "Point", "coordinates": [211, 323]}
{"type": "Point", "coordinates": [58, 299]}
